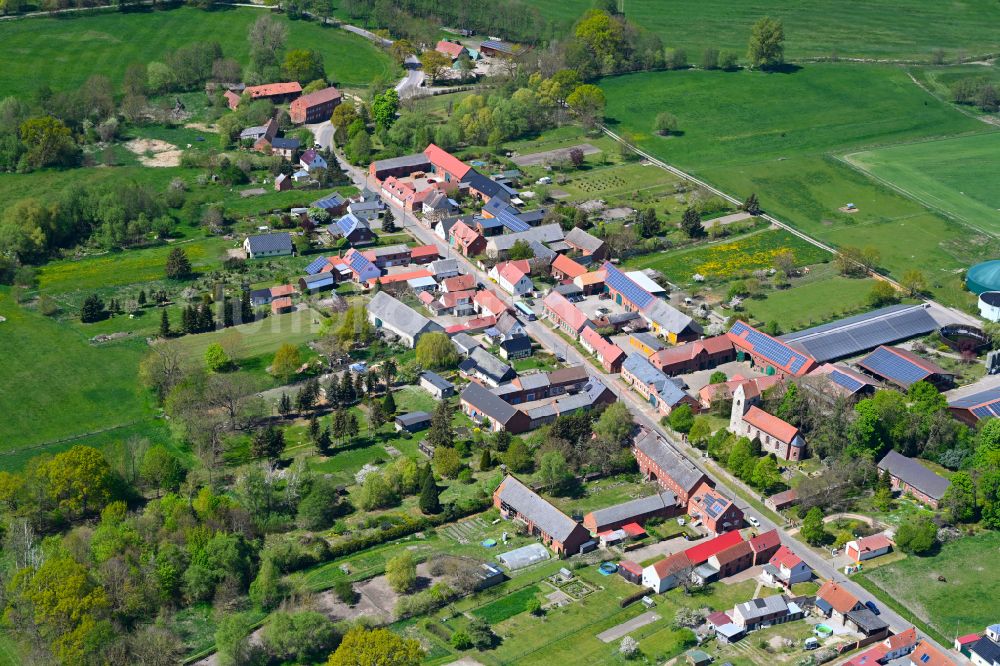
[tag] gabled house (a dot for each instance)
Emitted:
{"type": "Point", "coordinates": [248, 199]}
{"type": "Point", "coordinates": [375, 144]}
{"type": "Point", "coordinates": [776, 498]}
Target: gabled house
{"type": "Point", "coordinates": [764, 546]}
{"type": "Point", "coordinates": [443, 269]}
{"type": "Point", "coordinates": [267, 131]}
{"type": "Point", "coordinates": [334, 204]}
{"type": "Point", "coordinates": [366, 210]}
{"type": "Point", "coordinates": [486, 367]}
{"type": "Point", "coordinates": [311, 159]}
{"type": "Point", "coordinates": [835, 602]}
{"type": "Point", "coordinates": [436, 385]}
{"type": "Point", "coordinates": [488, 303]}
{"type": "Point", "coordinates": [786, 568]}
{"type": "Point", "coordinates": [717, 512]}
{"type": "Point", "coordinates": [768, 611]}
{"type": "Point", "coordinates": [752, 389]}
{"type": "Point", "coordinates": [283, 183]}
{"type": "Point", "coordinates": [261, 246]}
{"type": "Point", "coordinates": [662, 318]}
{"type": "Point", "coordinates": [926, 654]}
{"type": "Point", "coordinates": [732, 560]}
{"type": "Point", "coordinates": [558, 531]}
{"type": "Point", "coordinates": [463, 282]}
{"type": "Point", "coordinates": [869, 547]}
{"type": "Point", "coordinates": [512, 276]}
{"type": "Point", "coordinates": [392, 255]}
{"type": "Point", "coordinates": [564, 268]}
{"type": "Point", "coordinates": [453, 50]}
{"type": "Point", "coordinates": [667, 574]}
{"type": "Point", "coordinates": [908, 476]}
{"type": "Point", "coordinates": [361, 268]}
{"type": "Point", "coordinates": [638, 511]}
{"type": "Point", "coordinates": [276, 92]}
{"type": "Point", "coordinates": [284, 146]}
{"type": "Point", "coordinates": [354, 230]}
{"type": "Point", "coordinates": [515, 348]}
{"type": "Point", "coordinates": [703, 354]}
{"type": "Point", "coordinates": [446, 166]}
{"type": "Point", "coordinates": [386, 312]}
{"type": "Point", "coordinates": [985, 651]}
{"type": "Point", "coordinates": [484, 407]}
{"type": "Point", "coordinates": [315, 107]}
{"type": "Point", "coordinates": [767, 353]}
{"type": "Point", "coordinates": [586, 244]}
{"type": "Point", "coordinates": [659, 390]}
{"type": "Point", "coordinates": [659, 461]}
{"type": "Point", "coordinates": [565, 315]}
{"type": "Point", "coordinates": [610, 354]}
{"type": "Point", "coordinates": [466, 240]}
{"type": "Point", "coordinates": [901, 644]}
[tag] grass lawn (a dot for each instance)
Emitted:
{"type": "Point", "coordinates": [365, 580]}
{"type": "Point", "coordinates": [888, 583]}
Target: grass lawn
{"type": "Point", "coordinates": [908, 29]}
{"type": "Point", "coordinates": [954, 607]}
{"type": "Point", "coordinates": [727, 259]}
{"type": "Point", "coordinates": [508, 606]}
{"type": "Point", "coordinates": [58, 385]}
{"type": "Point", "coordinates": [936, 174]}
{"type": "Point", "coordinates": [124, 267]}
{"type": "Point", "coordinates": [812, 302]}
{"type": "Point", "coordinates": [255, 338]}
{"type": "Point", "coordinates": [777, 134]}
{"type": "Point", "coordinates": [63, 52]}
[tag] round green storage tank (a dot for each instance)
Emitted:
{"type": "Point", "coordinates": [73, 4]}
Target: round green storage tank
{"type": "Point", "coordinates": [984, 277]}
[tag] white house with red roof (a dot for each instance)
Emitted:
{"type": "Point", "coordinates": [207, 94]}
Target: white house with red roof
{"type": "Point", "coordinates": [310, 160]}
{"type": "Point", "coordinates": [869, 547]}
{"type": "Point", "coordinates": [775, 435]}
{"type": "Point", "coordinates": [445, 165]}
{"type": "Point", "coordinates": [453, 50]}
{"type": "Point", "coordinates": [488, 303]}
{"type": "Point", "coordinates": [512, 276]}
{"type": "Point", "coordinates": [786, 568]}
{"type": "Point", "coordinates": [667, 573]}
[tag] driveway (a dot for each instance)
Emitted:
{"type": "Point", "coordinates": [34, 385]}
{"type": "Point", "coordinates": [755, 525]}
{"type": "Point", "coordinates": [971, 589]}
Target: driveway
{"type": "Point", "coordinates": [659, 549]}
{"type": "Point", "coordinates": [625, 628]}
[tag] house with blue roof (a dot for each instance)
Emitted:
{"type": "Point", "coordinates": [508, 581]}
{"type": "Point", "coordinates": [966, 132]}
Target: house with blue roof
{"type": "Point", "coordinates": [769, 354]}
{"type": "Point", "coordinates": [660, 391]}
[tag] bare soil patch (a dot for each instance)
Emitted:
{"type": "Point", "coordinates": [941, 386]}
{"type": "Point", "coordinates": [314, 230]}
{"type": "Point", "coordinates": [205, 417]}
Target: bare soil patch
{"type": "Point", "coordinates": [155, 153]}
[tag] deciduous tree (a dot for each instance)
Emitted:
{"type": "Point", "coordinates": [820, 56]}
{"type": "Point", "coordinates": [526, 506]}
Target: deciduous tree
{"type": "Point", "coordinates": [364, 647]}
{"type": "Point", "coordinates": [767, 44]}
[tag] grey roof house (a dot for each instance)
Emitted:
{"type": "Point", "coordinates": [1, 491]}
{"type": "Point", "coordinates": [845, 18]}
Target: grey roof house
{"type": "Point", "coordinates": [436, 385]}
{"type": "Point", "coordinates": [485, 366]}
{"type": "Point", "coordinates": [268, 245]}
{"type": "Point", "coordinates": [386, 312]}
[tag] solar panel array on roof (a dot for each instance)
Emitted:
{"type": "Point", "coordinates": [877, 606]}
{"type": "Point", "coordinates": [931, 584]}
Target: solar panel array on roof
{"type": "Point", "coordinates": [623, 284]}
{"type": "Point", "coordinates": [845, 380]}
{"type": "Point", "coordinates": [846, 337]}
{"type": "Point", "coordinates": [769, 348]}
{"type": "Point", "coordinates": [976, 399]}
{"type": "Point", "coordinates": [986, 411]}
{"type": "Point", "coordinates": [359, 264]}
{"type": "Point", "coordinates": [714, 507]}
{"type": "Point", "coordinates": [316, 266]}
{"type": "Point", "coordinates": [885, 363]}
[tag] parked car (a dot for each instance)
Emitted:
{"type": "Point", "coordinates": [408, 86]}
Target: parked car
{"type": "Point", "coordinates": [753, 521]}
{"type": "Point", "coordinates": [872, 607]}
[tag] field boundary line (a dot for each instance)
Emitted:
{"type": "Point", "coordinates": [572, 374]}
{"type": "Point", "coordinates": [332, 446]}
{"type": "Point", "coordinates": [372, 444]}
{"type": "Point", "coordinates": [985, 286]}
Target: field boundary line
{"type": "Point", "coordinates": [63, 440]}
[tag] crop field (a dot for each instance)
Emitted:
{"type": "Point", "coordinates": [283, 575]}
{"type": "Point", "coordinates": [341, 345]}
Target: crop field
{"type": "Point", "coordinates": [776, 135]}
{"type": "Point", "coordinates": [58, 385]}
{"type": "Point", "coordinates": [907, 29]}
{"type": "Point", "coordinates": [937, 174]}
{"type": "Point", "coordinates": [728, 259]}
{"type": "Point", "coordinates": [63, 52]}
{"type": "Point", "coordinates": [954, 606]}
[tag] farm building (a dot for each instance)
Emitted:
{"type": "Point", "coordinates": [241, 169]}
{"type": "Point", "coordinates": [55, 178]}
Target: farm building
{"type": "Point", "coordinates": [318, 282]}
{"type": "Point", "coordinates": [904, 368]}
{"type": "Point", "coordinates": [445, 165]}
{"type": "Point", "coordinates": [909, 476]}
{"type": "Point", "coordinates": [564, 314]}
{"type": "Point", "coordinates": [702, 354]}
{"type": "Point", "coordinates": [558, 531]}
{"type": "Point", "coordinates": [278, 244]}
{"type": "Point", "coordinates": [564, 268]}
{"type": "Point", "coordinates": [610, 354]}
{"type": "Point", "coordinates": [586, 244]}
{"type": "Point", "coordinates": [659, 461]}
{"type": "Point", "coordinates": [663, 318]}
{"type": "Point", "coordinates": [315, 107]}
{"type": "Point", "coordinates": [666, 574]}
{"type": "Point", "coordinates": [659, 390]}
{"type": "Point", "coordinates": [752, 388]}
{"type": "Point", "coordinates": [647, 344]}
{"type": "Point", "coordinates": [453, 50]}
{"type": "Point", "coordinates": [783, 500]}
{"type": "Point", "coordinates": [844, 381]}
{"type": "Point", "coordinates": [386, 312]}
{"type": "Point", "coordinates": [281, 305]}
{"type": "Point", "coordinates": [413, 422]}
{"type": "Point", "coordinates": [436, 385]}
{"type": "Point", "coordinates": [971, 409]}
{"type": "Point", "coordinates": [764, 546]}
{"type": "Point", "coordinates": [770, 354]}
{"type": "Point", "coordinates": [494, 48]}
{"type": "Point", "coordinates": [854, 335]}
{"type": "Point", "coordinates": [276, 92]}
{"type": "Point", "coordinates": [283, 183]}
{"type": "Point", "coordinates": [867, 548]}
{"type": "Point", "coordinates": [483, 406]}
{"type": "Point", "coordinates": [662, 505]}
{"type": "Point", "coordinates": [398, 167]}
{"type": "Point", "coordinates": [391, 255]}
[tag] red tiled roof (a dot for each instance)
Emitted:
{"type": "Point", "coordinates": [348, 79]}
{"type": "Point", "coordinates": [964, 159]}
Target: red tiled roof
{"type": "Point", "coordinates": [596, 277]}
{"type": "Point", "coordinates": [765, 541]}
{"type": "Point", "coordinates": [315, 98]}
{"type": "Point", "coordinates": [607, 350]}
{"type": "Point", "coordinates": [701, 552]}
{"type": "Point", "coordinates": [631, 567]}
{"type": "Point", "coordinates": [733, 553]}
{"type": "Point", "coordinates": [424, 251]}
{"type": "Point", "coordinates": [903, 638]}
{"type": "Point", "coordinates": [784, 557]}
{"type": "Point", "coordinates": [840, 599]}
{"type": "Point", "coordinates": [403, 277]}
{"type": "Point", "coordinates": [569, 313]}
{"type": "Point", "coordinates": [452, 298]}
{"type": "Point", "coordinates": [771, 424]}
{"type": "Point", "coordinates": [690, 350]}
{"type": "Point", "coordinates": [477, 324]}
{"type": "Point", "coordinates": [232, 99]}
{"type": "Point", "coordinates": [510, 272]}
{"type": "Point", "coordinates": [465, 234]}
{"type": "Point", "coordinates": [869, 657]}
{"type": "Point", "coordinates": [449, 48]}
{"type": "Point", "coordinates": [490, 302]}
{"type": "Point", "coordinates": [927, 655]}
{"type": "Point", "coordinates": [281, 303]}
{"type": "Point", "coordinates": [633, 529]}
{"type": "Point", "coordinates": [672, 564]}
{"type": "Point", "coordinates": [271, 89]}
{"type": "Point", "coordinates": [282, 290]}
{"type": "Point", "coordinates": [964, 640]}
{"type": "Point", "coordinates": [459, 282]}
{"type": "Point", "coordinates": [874, 542]}
{"type": "Point", "coordinates": [719, 618]}
{"type": "Point", "coordinates": [567, 266]}
{"type": "Point", "coordinates": [442, 159]}
{"type": "Point", "coordinates": [425, 297]}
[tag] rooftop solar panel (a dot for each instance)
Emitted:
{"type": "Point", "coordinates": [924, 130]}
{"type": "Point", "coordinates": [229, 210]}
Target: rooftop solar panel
{"type": "Point", "coordinates": [846, 337]}
{"type": "Point", "coordinates": [627, 287]}
{"type": "Point", "coordinates": [316, 266]}
{"type": "Point", "coordinates": [848, 382]}
{"type": "Point", "coordinates": [885, 363]}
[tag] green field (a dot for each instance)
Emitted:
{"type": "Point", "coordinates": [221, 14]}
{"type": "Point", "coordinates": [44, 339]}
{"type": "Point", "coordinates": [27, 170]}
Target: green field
{"type": "Point", "coordinates": [255, 338]}
{"type": "Point", "coordinates": [955, 606]}
{"type": "Point", "coordinates": [508, 606]}
{"type": "Point", "coordinates": [731, 258]}
{"type": "Point", "coordinates": [777, 134]}
{"type": "Point", "coordinates": [909, 29]}
{"type": "Point", "coordinates": [937, 174]}
{"type": "Point", "coordinates": [63, 52]}
{"type": "Point", "coordinates": [812, 299]}
{"type": "Point", "coordinates": [57, 384]}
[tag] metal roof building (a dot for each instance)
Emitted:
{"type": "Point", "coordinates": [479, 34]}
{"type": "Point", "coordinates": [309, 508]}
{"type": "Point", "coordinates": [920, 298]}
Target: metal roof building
{"type": "Point", "coordinates": [769, 351]}
{"type": "Point", "coordinates": [977, 406]}
{"type": "Point", "coordinates": [902, 367]}
{"type": "Point", "coordinates": [853, 335]}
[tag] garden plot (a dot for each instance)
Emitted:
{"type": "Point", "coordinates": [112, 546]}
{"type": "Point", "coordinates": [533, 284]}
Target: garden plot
{"type": "Point", "coordinates": [552, 156]}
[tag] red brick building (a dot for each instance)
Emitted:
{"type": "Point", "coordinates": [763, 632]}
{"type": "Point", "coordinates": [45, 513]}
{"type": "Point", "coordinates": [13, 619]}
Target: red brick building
{"type": "Point", "coordinates": [692, 356]}
{"type": "Point", "coordinates": [316, 107]}
{"type": "Point", "coordinates": [661, 462]}
{"type": "Point", "coordinates": [716, 511]}
{"type": "Point", "coordinates": [558, 531]}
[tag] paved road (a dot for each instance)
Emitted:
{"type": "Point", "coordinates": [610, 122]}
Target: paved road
{"type": "Point", "coordinates": [645, 417]}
